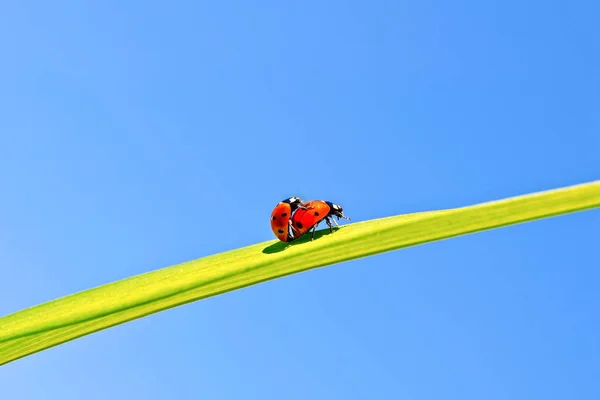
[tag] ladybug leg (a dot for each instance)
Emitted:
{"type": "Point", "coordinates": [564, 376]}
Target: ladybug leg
{"type": "Point", "coordinates": [292, 234]}
{"type": "Point", "coordinates": [334, 221]}
{"type": "Point", "coordinates": [329, 223]}
{"type": "Point", "coordinates": [303, 206]}
{"type": "Point", "coordinates": [314, 229]}
{"type": "Point", "coordinates": [292, 226]}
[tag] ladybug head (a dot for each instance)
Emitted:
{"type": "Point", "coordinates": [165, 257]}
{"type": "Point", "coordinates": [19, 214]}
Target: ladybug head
{"type": "Point", "coordinates": [336, 210]}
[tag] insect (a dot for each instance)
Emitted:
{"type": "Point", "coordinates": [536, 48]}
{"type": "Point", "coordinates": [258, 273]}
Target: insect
{"type": "Point", "coordinates": [281, 221]}
{"type": "Point", "coordinates": [312, 213]}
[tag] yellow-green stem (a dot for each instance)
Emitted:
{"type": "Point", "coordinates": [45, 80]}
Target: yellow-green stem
{"type": "Point", "coordinates": [49, 324]}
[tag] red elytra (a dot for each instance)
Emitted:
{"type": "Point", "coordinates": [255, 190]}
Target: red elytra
{"type": "Point", "coordinates": [281, 218]}
{"type": "Point", "coordinates": [314, 212]}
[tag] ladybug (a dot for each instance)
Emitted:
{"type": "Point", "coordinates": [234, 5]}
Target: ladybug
{"type": "Point", "coordinates": [313, 212]}
{"type": "Point", "coordinates": [281, 218]}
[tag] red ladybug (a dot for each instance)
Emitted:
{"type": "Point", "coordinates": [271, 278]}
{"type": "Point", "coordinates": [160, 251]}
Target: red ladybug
{"type": "Point", "coordinates": [281, 218]}
{"type": "Point", "coordinates": [313, 212]}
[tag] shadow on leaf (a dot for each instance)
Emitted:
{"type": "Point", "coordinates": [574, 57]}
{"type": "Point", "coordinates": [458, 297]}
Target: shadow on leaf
{"type": "Point", "coordinates": [281, 246]}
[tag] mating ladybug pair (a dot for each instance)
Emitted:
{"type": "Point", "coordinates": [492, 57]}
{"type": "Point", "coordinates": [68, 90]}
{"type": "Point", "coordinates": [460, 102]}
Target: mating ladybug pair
{"type": "Point", "coordinates": [292, 217]}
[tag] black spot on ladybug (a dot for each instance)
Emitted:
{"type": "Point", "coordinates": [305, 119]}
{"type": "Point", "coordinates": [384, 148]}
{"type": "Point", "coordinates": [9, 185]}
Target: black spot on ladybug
{"type": "Point", "coordinates": [284, 214]}
{"type": "Point", "coordinates": [316, 213]}
{"type": "Point", "coordinates": [299, 225]}
{"type": "Point", "coordinates": [280, 231]}
{"type": "Point", "coordinates": [273, 217]}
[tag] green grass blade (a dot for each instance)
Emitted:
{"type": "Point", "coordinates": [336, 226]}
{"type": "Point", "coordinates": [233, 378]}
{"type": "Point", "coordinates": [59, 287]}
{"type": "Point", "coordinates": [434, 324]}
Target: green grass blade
{"type": "Point", "coordinates": [58, 321]}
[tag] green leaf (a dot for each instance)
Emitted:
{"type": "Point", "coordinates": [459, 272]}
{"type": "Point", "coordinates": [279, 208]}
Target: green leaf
{"type": "Point", "coordinates": [58, 321]}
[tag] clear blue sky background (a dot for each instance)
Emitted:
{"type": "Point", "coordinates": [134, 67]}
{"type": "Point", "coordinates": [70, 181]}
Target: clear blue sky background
{"type": "Point", "coordinates": [136, 135]}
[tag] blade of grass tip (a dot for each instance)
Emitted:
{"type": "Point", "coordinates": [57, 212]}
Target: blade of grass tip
{"type": "Point", "coordinates": [64, 319]}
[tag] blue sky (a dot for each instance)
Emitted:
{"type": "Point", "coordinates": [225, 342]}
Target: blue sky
{"type": "Point", "coordinates": [136, 135]}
